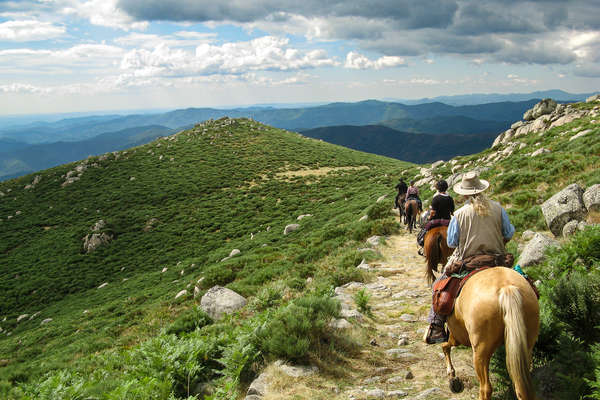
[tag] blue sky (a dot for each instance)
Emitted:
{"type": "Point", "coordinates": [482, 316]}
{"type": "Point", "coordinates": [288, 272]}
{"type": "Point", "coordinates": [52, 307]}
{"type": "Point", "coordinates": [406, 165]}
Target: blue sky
{"type": "Point", "coordinates": [83, 55]}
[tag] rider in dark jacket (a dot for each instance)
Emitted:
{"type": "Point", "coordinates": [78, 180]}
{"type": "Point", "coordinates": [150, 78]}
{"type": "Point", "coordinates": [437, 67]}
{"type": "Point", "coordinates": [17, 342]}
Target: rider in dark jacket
{"type": "Point", "coordinates": [402, 187]}
{"type": "Point", "coordinates": [442, 208]}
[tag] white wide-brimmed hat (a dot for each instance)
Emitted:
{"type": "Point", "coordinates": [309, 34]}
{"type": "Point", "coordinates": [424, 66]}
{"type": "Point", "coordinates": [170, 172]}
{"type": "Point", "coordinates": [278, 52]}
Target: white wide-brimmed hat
{"type": "Point", "coordinates": [471, 184]}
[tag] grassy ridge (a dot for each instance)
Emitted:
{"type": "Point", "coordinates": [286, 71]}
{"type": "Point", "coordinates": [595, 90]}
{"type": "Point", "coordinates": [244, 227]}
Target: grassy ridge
{"type": "Point", "coordinates": [227, 179]}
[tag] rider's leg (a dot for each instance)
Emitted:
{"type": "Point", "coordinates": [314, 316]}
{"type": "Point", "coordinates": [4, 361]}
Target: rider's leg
{"type": "Point", "coordinates": [436, 332]}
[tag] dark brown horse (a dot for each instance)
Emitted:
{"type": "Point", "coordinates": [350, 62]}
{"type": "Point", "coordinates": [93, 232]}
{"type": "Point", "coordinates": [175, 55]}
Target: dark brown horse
{"type": "Point", "coordinates": [411, 210]}
{"type": "Point", "coordinates": [436, 250]}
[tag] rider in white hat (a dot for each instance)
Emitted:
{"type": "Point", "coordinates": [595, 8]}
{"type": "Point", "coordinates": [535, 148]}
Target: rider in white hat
{"type": "Point", "coordinates": [481, 226]}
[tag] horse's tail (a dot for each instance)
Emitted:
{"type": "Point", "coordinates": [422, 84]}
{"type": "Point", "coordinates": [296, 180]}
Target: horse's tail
{"type": "Point", "coordinates": [515, 340]}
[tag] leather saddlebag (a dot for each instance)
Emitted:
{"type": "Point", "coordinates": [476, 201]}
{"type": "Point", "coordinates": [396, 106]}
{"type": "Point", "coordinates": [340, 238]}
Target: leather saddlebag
{"type": "Point", "coordinates": [444, 294]}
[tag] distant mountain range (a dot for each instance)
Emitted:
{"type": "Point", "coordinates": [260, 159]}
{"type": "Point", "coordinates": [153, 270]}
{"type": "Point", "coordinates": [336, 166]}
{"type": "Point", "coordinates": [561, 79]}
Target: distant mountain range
{"type": "Point", "coordinates": [30, 147]}
{"type": "Point", "coordinates": [481, 98]}
{"type": "Point", "coordinates": [30, 158]}
{"type": "Point", "coordinates": [416, 148]}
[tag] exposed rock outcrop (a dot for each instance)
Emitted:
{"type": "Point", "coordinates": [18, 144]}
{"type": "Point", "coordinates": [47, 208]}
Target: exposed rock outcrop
{"type": "Point", "coordinates": [219, 301]}
{"type": "Point", "coordinates": [92, 241]}
{"type": "Point", "coordinates": [534, 251]}
{"type": "Point", "coordinates": [291, 228]}
{"type": "Point", "coordinates": [591, 198]}
{"type": "Point", "coordinates": [544, 107]}
{"type": "Point", "coordinates": [543, 116]}
{"type": "Point", "coordinates": [563, 207]}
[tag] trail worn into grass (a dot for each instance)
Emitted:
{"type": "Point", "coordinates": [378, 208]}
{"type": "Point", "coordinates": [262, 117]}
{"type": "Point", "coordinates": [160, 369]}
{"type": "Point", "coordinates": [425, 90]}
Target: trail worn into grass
{"type": "Point", "coordinates": [393, 361]}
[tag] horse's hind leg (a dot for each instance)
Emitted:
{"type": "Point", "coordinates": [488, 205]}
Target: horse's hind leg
{"type": "Point", "coordinates": [481, 361]}
{"type": "Point", "coordinates": [456, 386]}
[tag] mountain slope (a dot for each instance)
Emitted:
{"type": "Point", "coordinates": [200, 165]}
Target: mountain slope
{"type": "Point", "coordinates": [418, 148]}
{"type": "Point", "coordinates": [182, 202]}
{"type": "Point", "coordinates": [447, 125]}
{"type": "Point", "coordinates": [30, 158]}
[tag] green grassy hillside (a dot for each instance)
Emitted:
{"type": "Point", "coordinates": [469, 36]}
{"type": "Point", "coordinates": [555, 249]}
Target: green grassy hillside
{"type": "Point", "coordinates": [180, 205]}
{"type": "Point", "coordinates": [183, 203]}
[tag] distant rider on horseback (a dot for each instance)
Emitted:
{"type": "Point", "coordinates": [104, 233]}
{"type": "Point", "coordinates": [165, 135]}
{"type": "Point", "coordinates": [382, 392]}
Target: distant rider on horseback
{"type": "Point", "coordinates": [442, 208]}
{"type": "Point", "coordinates": [402, 188]}
{"type": "Point", "coordinates": [413, 193]}
{"type": "Point", "coordinates": [479, 227]}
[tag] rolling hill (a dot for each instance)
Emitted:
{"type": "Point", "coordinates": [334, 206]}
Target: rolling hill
{"type": "Point", "coordinates": [58, 142]}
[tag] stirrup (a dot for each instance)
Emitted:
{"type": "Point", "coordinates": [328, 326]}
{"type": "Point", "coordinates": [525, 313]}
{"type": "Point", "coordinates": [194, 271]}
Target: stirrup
{"type": "Point", "coordinates": [438, 337]}
{"type": "Point", "coordinates": [420, 251]}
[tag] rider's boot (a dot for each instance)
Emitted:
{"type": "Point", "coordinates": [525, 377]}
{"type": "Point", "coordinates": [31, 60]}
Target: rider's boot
{"type": "Point", "coordinates": [435, 334]}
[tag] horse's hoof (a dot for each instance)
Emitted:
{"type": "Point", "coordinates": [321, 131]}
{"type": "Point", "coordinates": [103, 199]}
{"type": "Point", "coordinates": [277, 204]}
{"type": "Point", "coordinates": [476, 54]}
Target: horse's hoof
{"type": "Point", "coordinates": [456, 385]}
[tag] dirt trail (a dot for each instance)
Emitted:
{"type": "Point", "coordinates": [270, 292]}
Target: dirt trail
{"type": "Point", "coordinates": [396, 363]}
{"type": "Point", "coordinates": [401, 300]}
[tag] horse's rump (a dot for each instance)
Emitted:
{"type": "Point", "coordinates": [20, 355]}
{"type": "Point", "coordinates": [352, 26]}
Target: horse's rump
{"type": "Point", "coordinates": [478, 304]}
{"type": "Point", "coordinates": [436, 250]}
{"type": "Point", "coordinates": [496, 306]}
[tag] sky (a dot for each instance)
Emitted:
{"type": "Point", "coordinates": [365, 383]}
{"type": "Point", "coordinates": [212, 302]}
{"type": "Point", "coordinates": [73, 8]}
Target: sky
{"type": "Point", "coordinates": [88, 55]}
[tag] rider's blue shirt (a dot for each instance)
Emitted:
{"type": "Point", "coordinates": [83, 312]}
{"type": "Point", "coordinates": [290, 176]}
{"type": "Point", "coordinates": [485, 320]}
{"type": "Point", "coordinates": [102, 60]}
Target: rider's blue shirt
{"type": "Point", "coordinates": [508, 230]}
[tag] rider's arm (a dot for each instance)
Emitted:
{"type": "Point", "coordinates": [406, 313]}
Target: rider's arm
{"type": "Point", "coordinates": [508, 230]}
{"type": "Point", "coordinates": [453, 233]}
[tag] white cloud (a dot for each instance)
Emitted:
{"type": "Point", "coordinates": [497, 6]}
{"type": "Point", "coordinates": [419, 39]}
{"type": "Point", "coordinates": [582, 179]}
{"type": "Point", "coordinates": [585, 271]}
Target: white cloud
{"type": "Point", "coordinates": [524, 81]}
{"type": "Point", "coordinates": [23, 88]}
{"type": "Point", "coordinates": [81, 59]}
{"type": "Point", "coordinates": [29, 30]}
{"type": "Point", "coordinates": [358, 61]}
{"type": "Point", "coordinates": [263, 54]}
{"type": "Point", "coordinates": [104, 13]}
{"type": "Point", "coordinates": [425, 81]}
{"type": "Point", "coordinates": [178, 39]}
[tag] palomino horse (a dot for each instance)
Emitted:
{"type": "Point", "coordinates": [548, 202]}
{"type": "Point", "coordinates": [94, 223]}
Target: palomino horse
{"type": "Point", "coordinates": [411, 210]}
{"type": "Point", "coordinates": [496, 306]}
{"type": "Point", "coordinates": [436, 250]}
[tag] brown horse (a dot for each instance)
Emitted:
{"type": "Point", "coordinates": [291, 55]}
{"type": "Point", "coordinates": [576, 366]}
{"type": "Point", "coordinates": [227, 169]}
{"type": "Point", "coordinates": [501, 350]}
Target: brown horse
{"type": "Point", "coordinates": [436, 250]}
{"type": "Point", "coordinates": [411, 212]}
{"type": "Point", "coordinates": [496, 306]}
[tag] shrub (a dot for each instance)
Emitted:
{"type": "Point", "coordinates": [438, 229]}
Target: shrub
{"type": "Point", "coordinates": [361, 299]}
{"type": "Point", "coordinates": [342, 276]}
{"type": "Point", "coordinates": [189, 321]}
{"type": "Point", "coordinates": [574, 301]}
{"type": "Point", "coordinates": [378, 210]}
{"type": "Point", "coordinates": [299, 327]}
{"type": "Point", "coordinates": [566, 359]}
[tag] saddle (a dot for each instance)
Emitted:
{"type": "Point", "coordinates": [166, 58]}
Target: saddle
{"type": "Point", "coordinates": [445, 291]}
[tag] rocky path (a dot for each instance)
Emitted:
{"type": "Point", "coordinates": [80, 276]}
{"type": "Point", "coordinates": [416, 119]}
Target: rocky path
{"type": "Point", "coordinates": [400, 301]}
{"type": "Point", "coordinates": [394, 362]}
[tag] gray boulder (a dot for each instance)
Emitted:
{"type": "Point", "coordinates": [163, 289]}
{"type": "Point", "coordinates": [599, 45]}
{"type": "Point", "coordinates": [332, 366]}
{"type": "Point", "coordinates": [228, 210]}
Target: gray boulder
{"type": "Point", "coordinates": [591, 198]}
{"type": "Point", "coordinates": [540, 151]}
{"type": "Point", "coordinates": [544, 107]}
{"type": "Point", "coordinates": [291, 228]}
{"type": "Point", "coordinates": [219, 301]}
{"type": "Point", "coordinates": [374, 240]}
{"type": "Point", "coordinates": [296, 371]}
{"type": "Point", "coordinates": [259, 386]}
{"type": "Point", "coordinates": [453, 179]}
{"type": "Point", "coordinates": [570, 228]}
{"type": "Point", "coordinates": [563, 207]}
{"type": "Point", "coordinates": [534, 251]}
{"type": "Point", "coordinates": [593, 98]}
{"type": "Point", "coordinates": [95, 240]}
